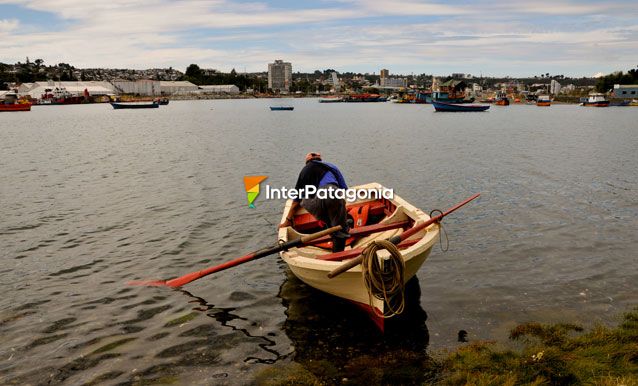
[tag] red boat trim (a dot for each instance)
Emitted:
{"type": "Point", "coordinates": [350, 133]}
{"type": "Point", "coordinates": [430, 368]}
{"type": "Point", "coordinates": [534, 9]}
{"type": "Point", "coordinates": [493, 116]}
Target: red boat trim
{"type": "Point", "coordinates": [352, 253]}
{"type": "Point", "coordinates": [367, 230]}
{"type": "Point", "coordinates": [374, 316]}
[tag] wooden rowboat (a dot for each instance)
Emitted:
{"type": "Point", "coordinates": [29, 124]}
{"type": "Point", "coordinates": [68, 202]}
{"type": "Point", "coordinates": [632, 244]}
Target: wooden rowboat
{"type": "Point", "coordinates": [381, 219]}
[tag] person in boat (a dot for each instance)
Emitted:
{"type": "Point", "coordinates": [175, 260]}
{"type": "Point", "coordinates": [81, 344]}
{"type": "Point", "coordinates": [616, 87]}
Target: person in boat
{"type": "Point", "coordinates": [331, 211]}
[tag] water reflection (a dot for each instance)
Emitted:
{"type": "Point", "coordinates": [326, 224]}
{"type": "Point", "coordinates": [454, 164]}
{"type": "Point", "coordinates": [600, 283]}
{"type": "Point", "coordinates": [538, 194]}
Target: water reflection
{"type": "Point", "coordinates": [224, 316]}
{"type": "Point", "coordinates": [335, 340]}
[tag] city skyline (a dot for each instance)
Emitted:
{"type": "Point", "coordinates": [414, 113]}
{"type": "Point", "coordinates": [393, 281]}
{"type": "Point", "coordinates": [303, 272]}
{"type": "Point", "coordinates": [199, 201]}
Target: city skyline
{"type": "Point", "coordinates": [479, 37]}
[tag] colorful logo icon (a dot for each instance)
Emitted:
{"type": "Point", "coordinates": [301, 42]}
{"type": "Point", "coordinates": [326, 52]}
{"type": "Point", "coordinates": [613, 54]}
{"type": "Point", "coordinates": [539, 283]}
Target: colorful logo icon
{"type": "Point", "coordinates": [252, 188]}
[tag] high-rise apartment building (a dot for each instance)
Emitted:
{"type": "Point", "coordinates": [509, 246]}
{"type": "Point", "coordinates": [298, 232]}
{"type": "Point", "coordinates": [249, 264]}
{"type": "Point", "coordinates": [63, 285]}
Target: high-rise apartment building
{"type": "Point", "coordinates": [384, 74]}
{"type": "Point", "coordinates": [279, 75]}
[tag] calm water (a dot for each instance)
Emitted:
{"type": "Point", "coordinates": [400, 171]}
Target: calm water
{"type": "Point", "coordinates": [92, 198]}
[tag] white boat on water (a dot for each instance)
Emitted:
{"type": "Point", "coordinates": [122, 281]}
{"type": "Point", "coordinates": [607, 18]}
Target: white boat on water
{"type": "Point", "coordinates": [330, 100]}
{"type": "Point", "coordinates": [596, 100]}
{"type": "Point", "coordinates": [382, 219]}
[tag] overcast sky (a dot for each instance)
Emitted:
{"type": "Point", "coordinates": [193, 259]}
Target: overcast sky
{"type": "Point", "coordinates": [517, 38]}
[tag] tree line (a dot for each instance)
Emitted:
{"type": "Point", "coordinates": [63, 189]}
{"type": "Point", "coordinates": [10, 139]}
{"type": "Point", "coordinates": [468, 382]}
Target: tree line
{"type": "Point", "coordinates": [607, 82]}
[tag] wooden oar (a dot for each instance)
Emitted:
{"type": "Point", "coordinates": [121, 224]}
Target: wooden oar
{"type": "Point", "coordinates": [398, 238]}
{"type": "Point", "coordinates": [183, 280]}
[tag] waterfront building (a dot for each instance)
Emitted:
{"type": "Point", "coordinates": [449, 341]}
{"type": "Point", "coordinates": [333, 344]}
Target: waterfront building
{"type": "Point", "coordinates": [394, 82]}
{"type": "Point", "coordinates": [177, 88]}
{"type": "Point", "coordinates": [334, 81]}
{"type": "Point", "coordinates": [383, 75]}
{"type": "Point", "coordinates": [142, 87]}
{"type": "Point", "coordinates": [219, 89]}
{"type": "Point", "coordinates": [554, 87]}
{"type": "Point", "coordinates": [94, 88]}
{"type": "Point", "coordinates": [625, 91]}
{"type": "Point", "coordinates": [279, 75]}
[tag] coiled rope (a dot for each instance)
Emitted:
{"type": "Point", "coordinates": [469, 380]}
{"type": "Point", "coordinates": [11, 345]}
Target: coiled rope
{"type": "Point", "coordinates": [384, 281]}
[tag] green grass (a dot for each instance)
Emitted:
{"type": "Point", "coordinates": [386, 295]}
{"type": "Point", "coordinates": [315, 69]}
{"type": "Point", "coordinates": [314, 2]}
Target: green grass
{"type": "Point", "coordinates": [551, 354]}
{"type": "Point", "coordinates": [558, 354]}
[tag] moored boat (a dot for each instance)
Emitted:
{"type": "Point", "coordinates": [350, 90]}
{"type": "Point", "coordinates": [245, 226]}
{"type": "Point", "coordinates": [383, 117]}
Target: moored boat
{"type": "Point", "coordinates": [60, 96]}
{"type": "Point", "coordinates": [15, 106]}
{"type": "Point", "coordinates": [596, 100]}
{"type": "Point", "coordinates": [364, 98]}
{"type": "Point", "coordinates": [331, 100]}
{"type": "Point", "coordinates": [454, 107]}
{"type": "Point", "coordinates": [376, 219]}
{"type": "Point", "coordinates": [282, 108]}
{"type": "Point", "coordinates": [11, 102]}
{"type": "Point", "coordinates": [162, 101]}
{"type": "Point", "coordinates": [543, 101]}
{"type": "Point", "coordinates": [134, 105]}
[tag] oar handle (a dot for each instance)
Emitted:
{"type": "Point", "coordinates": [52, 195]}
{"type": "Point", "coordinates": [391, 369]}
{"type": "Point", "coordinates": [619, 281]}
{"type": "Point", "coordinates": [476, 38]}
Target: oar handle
{"type": "Point", "coordinates": [314, 236]}
{"type": "Point", "coordinates": [183, 280]}
{"type": "Point", "coordinates": [345, 266]}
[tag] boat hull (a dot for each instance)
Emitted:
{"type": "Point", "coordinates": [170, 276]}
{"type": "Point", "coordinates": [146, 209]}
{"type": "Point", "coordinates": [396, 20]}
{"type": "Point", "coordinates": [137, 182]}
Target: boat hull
{"type": "Point", "coordinates": [16, 107]}
{"type": "Point", "coordinates": [282, 108]}
{"type": "Point", "coordinates": [306, 263]}
{"type": "Point", "coordinates": [543, 104]}
{"type": "Point", "coordinates": [596, 104]}
{"type": "Point", "coordinates": [119, 106]}
{"type": "Point", "coordinates": [452, 107]}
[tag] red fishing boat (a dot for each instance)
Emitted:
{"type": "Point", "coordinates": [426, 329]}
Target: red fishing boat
{"type": "Point", "coordinates": [543, 101]}
{"type": "Point", "coordinates": [11, 102]}
{"type": "Point", "coordinates": [60, 96]}
{"type": "Point", "coordinates": [15, 107]}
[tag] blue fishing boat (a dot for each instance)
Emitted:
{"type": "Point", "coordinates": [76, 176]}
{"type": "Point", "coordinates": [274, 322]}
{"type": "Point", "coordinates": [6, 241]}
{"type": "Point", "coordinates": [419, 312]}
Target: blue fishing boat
{"type": "Point", "coordinates": [281, 108]}
{"type": "Point", "coordinates": [453, 107]}
{"type": "Point", "coordinates": [135, 105]}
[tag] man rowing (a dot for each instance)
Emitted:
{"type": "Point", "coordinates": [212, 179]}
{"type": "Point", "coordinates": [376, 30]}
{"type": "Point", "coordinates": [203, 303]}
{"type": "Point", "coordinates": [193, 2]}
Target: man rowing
{"type": "Point", "coordinates": [325, 177]}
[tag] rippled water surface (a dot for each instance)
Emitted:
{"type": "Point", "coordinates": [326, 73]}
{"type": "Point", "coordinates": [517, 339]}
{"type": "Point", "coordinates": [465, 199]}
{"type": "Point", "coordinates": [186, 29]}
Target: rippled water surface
{"type": "Point", "coordinates": [92, 198]}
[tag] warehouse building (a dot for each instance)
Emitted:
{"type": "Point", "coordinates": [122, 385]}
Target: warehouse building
{"type": "Point", "coordinates": [219, 89]}
{"type": "Point", "coordinates": [94, 88]}
{"type": "Point", "coordinates": [138, 87]}
{"type": "Point", "coordinates": [177, 87]}
{"type": "Point", "coordinates": [626, 90]}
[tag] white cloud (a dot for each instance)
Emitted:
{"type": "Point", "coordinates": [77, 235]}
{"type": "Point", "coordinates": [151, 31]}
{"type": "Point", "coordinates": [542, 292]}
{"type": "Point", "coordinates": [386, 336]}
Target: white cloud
{"type": "Point", "coordinates": [8, 25]}
{"type": "Point", "coordinates": [494, 37]}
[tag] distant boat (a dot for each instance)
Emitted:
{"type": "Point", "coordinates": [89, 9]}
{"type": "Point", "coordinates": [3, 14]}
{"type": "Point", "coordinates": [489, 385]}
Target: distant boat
{"type": "Point", "coordinates": [60, 96]}
{"type": "Point", "coordinates": [162, 101]}
{"type": "Point", "coordinates": [455, 107]}
{"type": "Point", "coordinates": [620, 104]}
{"type": "Point", "coordinates": [543, 100]}
{"type": "Point", "coordinates": [331, 100]}
{"type": "Point", "coordinates": [281, 108]}
{"type": "Point", "coordinates": [596, 100]}
{"type": "Point", "coordinates": [135, 105]}
{"type": "Point", "coordinates": [15, 106]}
{"type": "Point", "coordinates": [365, 98]}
